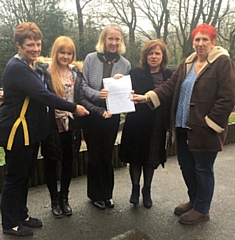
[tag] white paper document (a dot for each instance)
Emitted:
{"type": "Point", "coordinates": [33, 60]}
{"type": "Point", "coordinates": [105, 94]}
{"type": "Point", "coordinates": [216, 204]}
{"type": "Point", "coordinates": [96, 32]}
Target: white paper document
{"type": "Point", "coordinates": [119, 95]}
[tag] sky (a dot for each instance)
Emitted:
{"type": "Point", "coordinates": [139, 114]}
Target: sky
{"type": "Point", "coordinates": [69, 5]}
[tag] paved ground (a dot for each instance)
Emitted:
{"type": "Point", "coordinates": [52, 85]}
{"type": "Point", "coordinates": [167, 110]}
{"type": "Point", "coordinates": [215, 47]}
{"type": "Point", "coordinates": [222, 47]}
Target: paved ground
{"type": "Point", "coordinates": [159, 222]}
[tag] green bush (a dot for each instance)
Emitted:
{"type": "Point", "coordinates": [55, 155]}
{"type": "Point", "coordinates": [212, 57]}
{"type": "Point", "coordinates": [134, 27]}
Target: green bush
{"type": "Point", "coordinates": [232, 117]}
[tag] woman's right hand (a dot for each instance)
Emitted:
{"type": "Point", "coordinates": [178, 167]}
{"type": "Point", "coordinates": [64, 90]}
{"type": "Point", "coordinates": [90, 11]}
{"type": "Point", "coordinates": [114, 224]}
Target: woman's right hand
{"type": "Point", "coordinates": [81, 111]}
{"type": "Point", "coordinates": [1, 95]}
{"type": "Point", "coordinates": [107, 114]}
{"type": "Point", "coordinates": [103, 93]}
{"type": "Point", "coordinates": [138, 98]}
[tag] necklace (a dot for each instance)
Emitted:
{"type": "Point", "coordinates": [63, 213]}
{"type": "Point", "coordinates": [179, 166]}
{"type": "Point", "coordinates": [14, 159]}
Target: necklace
{"type": "Point", "coordinates": [109, 62]}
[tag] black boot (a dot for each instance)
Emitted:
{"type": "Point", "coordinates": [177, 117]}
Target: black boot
{"type": "Point", "coordinates": [56, 208]}
{"type": "Point", "coordinates": [66, 209]}
{"type": "Point", "coordinates": [135, 194]}
{"type": "Point", "coordinates": [147, 197]}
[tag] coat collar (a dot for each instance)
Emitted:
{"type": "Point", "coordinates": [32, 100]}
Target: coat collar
{"type": "Point", "coordinates": [212, 56]}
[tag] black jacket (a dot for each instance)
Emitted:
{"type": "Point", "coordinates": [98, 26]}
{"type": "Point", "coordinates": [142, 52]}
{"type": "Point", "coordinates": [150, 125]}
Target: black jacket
{"type": "Point", "coordinates": [144, 133]}
{"type": "Point", "coordinates": [19, 81]}
{"type": "Point", "coordinates": [51, 148]}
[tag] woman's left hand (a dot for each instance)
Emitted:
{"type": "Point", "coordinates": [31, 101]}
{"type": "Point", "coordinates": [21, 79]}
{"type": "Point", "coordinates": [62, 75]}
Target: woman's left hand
{"type": "Point", "coordinates": [107, 114]}
{"type": "Point", "coordinates": [117, 76]}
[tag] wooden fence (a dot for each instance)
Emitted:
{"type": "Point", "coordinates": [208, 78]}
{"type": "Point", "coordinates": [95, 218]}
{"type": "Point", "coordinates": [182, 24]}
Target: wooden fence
{"type": "Point", "coordinates": [80, 162]}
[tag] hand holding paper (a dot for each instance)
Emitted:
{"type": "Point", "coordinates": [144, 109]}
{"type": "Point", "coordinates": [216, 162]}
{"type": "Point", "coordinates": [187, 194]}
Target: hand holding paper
{"type": "Point", "coordinates": [119, 95]}
{"type": "Point", "coordinates": [103, 93]}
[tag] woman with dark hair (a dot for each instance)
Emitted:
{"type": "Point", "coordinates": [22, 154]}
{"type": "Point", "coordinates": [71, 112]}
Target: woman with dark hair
{"type": "Point", "coordinates": [23, 124]}
{"type": "Point", "coordinates": [144, 133]}
{"type": "Point", "coordinates": [101, 127]}
{"type": "Point", "coordinates": [203, 95]}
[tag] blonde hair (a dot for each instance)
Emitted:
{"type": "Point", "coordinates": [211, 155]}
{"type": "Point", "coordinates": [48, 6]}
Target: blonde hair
{"type": "Point", "coordinates": [62, 42]}
{"type": "Point", "coordinates": [42, 59]}
{"type": "Point", "coordinates": [100, 46]}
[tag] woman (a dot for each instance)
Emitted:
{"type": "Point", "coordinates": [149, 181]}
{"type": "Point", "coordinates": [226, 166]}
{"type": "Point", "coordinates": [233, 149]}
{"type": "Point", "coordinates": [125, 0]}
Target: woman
{"type": "Point", "coordinates": [61, 76]}
{"type": "Point", "coordinates": [100, 128]}
{"type": "Point", "coordinates": [203, 91]}
{"type": "Point", "coordinates": [144, 133]}
{"type": "Point", "coordinates": [23, 124]}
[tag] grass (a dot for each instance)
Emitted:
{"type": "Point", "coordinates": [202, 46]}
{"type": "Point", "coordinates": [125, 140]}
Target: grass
{"type": "Point", "coordinates": [232, 117]}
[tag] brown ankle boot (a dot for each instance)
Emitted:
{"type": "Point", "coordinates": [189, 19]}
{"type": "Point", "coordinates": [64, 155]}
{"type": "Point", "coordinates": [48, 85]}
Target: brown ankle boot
{"type": "Point", "coordinates": [193, 217]}
{"type": "Point", "coordinates": [183, 208]}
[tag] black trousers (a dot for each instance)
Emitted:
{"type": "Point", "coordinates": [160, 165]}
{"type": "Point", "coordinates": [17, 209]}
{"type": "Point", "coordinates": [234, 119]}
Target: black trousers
{"type": "Point", "coordinates": [66, 167]}
{"type": "Point", "coordinates": [20, 164]}
{"type": "Point", "coordinates": [100, 135]}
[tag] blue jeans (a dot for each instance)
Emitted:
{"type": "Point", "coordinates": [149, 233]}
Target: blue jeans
{"type": "Point", "coordinates": [198, 173]}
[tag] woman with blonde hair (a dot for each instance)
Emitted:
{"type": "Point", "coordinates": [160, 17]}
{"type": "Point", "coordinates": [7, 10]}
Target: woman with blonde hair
{"type": "Point", "coordinates": [100, 129]}
{"type": "Point", "coordinates": [62, 77]}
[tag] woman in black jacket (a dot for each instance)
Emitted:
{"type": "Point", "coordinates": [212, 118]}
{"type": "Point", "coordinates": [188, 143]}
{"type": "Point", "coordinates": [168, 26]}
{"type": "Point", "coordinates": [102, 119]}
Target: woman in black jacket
{"type": "Point", "coordinates": [144, 134]}
{"type": "Point", "coordinates": [23, 124]}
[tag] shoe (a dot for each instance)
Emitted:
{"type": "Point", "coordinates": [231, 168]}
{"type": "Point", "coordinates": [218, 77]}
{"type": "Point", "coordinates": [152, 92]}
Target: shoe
{"type": "Point", "coordinates": [109, 203]}
{"type": "Point", "coordinates": [32, 222]}
{"type": "Point", "coordinates": [22, 231]}
{"type": "Point", "coordinates": [193, 217]}
{"type": "Point", "coordinates": [99, 204]}
{"type": "Point", "coordinates": [183, 208]}
{"type": "Point", "coordinates": [66, 209]}
{"type": "Point", "coordinates": [147, 197]}
{"type": "Point", "coordinates": [56, 208]}
{"type": "Point", "coordinates": [134, 199]}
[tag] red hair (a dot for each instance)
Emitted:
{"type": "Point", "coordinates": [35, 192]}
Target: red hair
{"type": "Point", "coordinates": [205, 28]}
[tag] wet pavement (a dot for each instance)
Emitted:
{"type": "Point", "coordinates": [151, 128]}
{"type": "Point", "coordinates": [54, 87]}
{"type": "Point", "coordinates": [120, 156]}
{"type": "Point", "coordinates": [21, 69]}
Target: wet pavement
{"type": "Point", "coordinates": [156, 223]}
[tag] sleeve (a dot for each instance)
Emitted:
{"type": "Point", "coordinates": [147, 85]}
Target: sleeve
{"type": "Point", "coordinates": [80, 98]}
{"type": "Point", "coordinates": [30, 84]}
{"type": "Point", "coordinates": [164, 91]}
{"type": "Point", "coordinates": [218, 116]}
{"type": "Point", "coordinates": [128, 67]}
{"type": "Point", "coordinates": [89, 92]}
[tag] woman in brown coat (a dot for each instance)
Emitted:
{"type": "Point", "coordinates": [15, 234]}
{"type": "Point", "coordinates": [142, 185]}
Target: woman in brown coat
{"type": "Point", "coordinates": [203, 91]}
